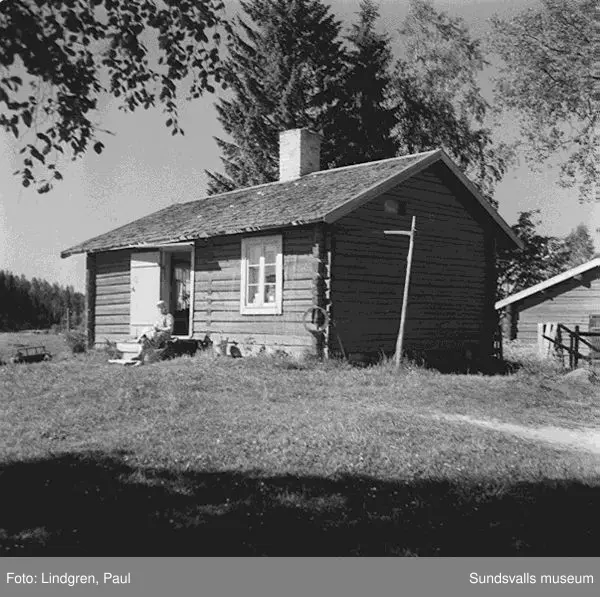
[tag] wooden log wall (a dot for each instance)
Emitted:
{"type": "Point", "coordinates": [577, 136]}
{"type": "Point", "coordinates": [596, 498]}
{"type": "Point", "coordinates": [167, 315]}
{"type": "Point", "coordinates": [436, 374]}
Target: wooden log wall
{"type": "Point", "coordinates": [570, 303]}
{"type": "Point", "coordinates": [217, 295]}
{"type": "Point", "coordinates": [449, 297]}
{"type": "Point", "coordinates": [90, 299]}
{"type": "Point", "coordinates": [491, 324]}
{"type": "Point", "coordinates": [113, 296]}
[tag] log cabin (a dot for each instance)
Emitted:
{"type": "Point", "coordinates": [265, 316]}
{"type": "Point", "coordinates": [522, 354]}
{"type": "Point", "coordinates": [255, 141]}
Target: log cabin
{"type": "Point", "coordinates": [571, 298]}
{"type": "Point", "coordinates": [251, 267]}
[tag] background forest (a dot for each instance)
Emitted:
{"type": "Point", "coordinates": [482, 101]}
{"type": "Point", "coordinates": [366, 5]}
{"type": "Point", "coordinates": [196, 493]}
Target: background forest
{"type": "Point", "coordinates": [37, 304]}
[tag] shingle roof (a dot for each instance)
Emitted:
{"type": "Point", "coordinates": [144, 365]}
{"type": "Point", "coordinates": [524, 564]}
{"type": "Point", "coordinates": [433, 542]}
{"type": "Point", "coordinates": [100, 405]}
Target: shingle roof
{"type": "Point", "coordinates": [575, 271]}
{"type": "Point", "coordinates": [312, 198]}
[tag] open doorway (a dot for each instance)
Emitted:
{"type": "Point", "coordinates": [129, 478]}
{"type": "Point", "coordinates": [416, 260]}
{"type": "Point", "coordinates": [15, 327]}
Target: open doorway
{"type": "Point", "coordinates": [165, 273]}
{"type": "Point", "coordinates": [180, 293]}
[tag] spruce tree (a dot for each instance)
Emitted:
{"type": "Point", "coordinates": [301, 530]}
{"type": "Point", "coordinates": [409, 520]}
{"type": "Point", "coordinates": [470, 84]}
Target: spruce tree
{"type": "Point", "coordinates": [370, 116]}
{"type": "Point", "coordinates": [286, 70]}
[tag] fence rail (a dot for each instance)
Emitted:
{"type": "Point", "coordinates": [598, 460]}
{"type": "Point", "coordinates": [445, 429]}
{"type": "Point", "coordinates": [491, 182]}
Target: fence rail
{"type": "Point", "coordinates": [552, 337]}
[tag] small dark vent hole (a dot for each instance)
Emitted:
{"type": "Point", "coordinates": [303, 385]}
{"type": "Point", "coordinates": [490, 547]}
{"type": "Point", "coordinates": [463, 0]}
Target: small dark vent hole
{"type": "Point", "coordinates": [395, 207]}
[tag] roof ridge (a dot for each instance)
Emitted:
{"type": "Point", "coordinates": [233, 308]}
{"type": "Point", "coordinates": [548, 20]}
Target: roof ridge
{"type": "Point", "coordinates": [398, 157]}
{"type": "Point", "coordinates": [316, 173]}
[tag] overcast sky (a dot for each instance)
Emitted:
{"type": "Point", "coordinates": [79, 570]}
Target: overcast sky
{"type": "Point", "coordinates": [144, 169]}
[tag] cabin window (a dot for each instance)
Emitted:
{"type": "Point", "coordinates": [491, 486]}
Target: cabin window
{"type": "Point", "coordinates": [262, 275]}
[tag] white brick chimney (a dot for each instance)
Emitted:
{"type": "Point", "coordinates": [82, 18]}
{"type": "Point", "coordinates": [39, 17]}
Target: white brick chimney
{"type": "Point", "coordinates": [299, 153]}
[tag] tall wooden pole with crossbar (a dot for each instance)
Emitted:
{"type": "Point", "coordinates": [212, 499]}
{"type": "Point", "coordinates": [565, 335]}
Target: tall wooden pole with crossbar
{"type": "Point", "coordinates": [411, 235]}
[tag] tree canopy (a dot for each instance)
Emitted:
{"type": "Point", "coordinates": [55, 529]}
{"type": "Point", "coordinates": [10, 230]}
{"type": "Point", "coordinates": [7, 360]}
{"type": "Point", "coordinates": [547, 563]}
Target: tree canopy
{"type": "Point", "coordinates": [547, 80]}
{"type": "Point", "coordinates": [58, 57]}
{"type": "Point", "coordinates": [542, 256]}
{"type": "Point", "coordinates": [290, 69]}
{"type": "Point", "coordinates": [286, 66]}
{"type": "Point", "coordinates": [579, 246]}
{"type": "Point", "coordinates": [37, 304]}
{"type": "Point", "coordinates": [437, 96]}
{"type": "Point", "coordinates": [369, 113]}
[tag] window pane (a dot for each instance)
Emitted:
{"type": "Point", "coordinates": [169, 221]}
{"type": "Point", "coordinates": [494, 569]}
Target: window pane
{"type": "Point", "coordinates": [270, 254]}
{"type": "Point", "coordinates": [270, 274]}
{"type": "Point", "coordinates": [253, 295]}
{"type": "Point", "coordinates": [254, 254]}
{"type": "Point", "coordinates": [261, 271]}
{"type": "Point", "coordinates": [253, 272]}
{"type": "Point", "coordinates": [270, 293]}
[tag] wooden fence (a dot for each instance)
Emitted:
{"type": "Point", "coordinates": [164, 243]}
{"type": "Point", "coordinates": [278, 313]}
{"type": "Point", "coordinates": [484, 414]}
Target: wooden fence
{"type": "Point", "coordinates": [558, 339]}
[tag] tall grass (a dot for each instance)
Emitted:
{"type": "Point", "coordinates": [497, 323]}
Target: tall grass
{"type": "Point", "coordinates": [526, 357]}
{"type": "Point", "coordinates": [272, 456]}
{"type": "Point", "coordinates": [76, 340]}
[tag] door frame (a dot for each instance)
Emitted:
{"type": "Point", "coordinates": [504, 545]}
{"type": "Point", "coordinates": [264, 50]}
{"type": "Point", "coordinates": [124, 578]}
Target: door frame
{"type": "Point", "coordinates": [164, 283]}
{"type": "Point", "coordinates": [166, 270]}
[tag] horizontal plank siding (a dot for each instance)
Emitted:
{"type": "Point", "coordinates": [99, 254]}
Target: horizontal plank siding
{"type": "Point", "coordinates": [231, 297]}
{"type": "Point", "coordinates": [448, 295]}
{"type": "Point", "coordinates": [570, 303]}
{"type": "Point", "coordinates": [105, 329]}
{"type": "Point", "coordinates": [115, 298]}
{"type": "Point", "coordinates": [217, 280]}
{"type": "Point", "coordinates": [217, 288]}
{"type": "Point", "coordinates": [110, 281]}
{"type": "Point", "coordinates": [113, 295]}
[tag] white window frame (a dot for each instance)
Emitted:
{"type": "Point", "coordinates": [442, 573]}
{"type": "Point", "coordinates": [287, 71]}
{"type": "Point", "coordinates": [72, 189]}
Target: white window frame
{"type": "Point", "coordinates": [262, 308]}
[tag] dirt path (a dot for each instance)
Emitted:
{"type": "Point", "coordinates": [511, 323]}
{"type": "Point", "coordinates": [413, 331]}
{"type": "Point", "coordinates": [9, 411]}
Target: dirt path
{"type": "Point", "coordinates": [583, 440]}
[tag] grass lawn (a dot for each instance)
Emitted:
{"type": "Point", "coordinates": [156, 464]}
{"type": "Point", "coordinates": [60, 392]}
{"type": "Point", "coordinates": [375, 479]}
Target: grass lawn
{"type": "Point", "coordinates": [217, 456]}
{"type": "Point", "coordinates": [55, 343]}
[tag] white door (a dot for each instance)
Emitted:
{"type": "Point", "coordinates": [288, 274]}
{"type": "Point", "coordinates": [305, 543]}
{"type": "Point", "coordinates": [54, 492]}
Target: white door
{"type": "Point", "coordinates": [145, 290]}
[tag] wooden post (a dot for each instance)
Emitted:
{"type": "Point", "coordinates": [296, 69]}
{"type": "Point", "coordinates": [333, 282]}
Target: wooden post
{"type": "Point", "coordinates": [400, 339]}
{"type": "Point", "coordinates": [576, 355]}
{"type": "Point", "coordinates": [511, 319]}
{"type": "Point", "coordinates": [90, 298]}
{"type": "Point", "coordinates": [506, 322]}
{"type": "Point", "coordinates": [499, 347]}
{"type": "Point", "coordinates": [327, 280]}
{"type": "Point", "coordinates": [571, 342]}
{"type": "Point", "coordinates": [318, 283]}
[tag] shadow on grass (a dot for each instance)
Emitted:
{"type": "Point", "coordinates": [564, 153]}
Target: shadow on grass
{"type": "Point", "coordinates": [442, 361]}
{"type": "Point", "coordinates": [97, 505]}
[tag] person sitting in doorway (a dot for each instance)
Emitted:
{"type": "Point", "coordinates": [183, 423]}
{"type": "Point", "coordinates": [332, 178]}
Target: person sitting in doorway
{"type": "Point", "coordinates": [160, 333]}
